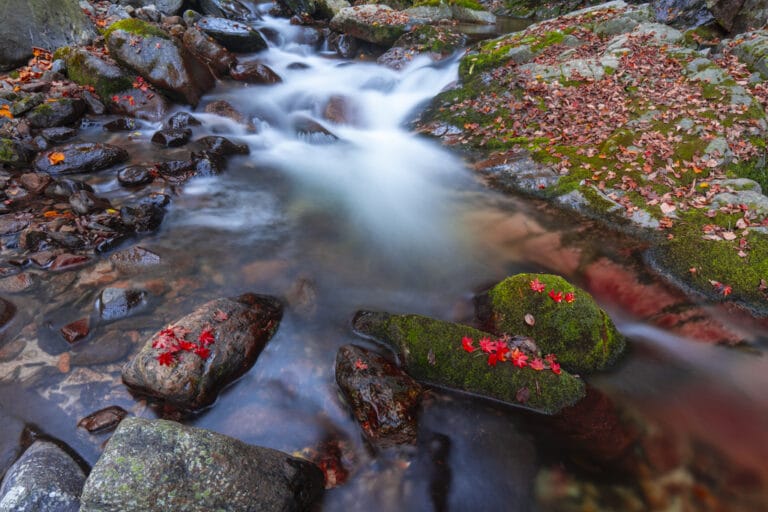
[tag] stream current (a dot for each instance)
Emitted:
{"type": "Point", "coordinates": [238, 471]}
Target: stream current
{"type": "Point", "coordinates": [379, 218]}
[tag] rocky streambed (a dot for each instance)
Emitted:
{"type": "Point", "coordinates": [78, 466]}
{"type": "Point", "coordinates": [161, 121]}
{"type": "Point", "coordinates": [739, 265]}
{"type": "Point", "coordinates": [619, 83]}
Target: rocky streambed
{"type": "Point", "coordinates": [231, 278]}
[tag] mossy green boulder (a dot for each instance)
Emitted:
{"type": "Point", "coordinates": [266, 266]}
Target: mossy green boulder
{"type": "Point", "coordinates": [579, 333]}
{"type": "Point", "coordinates": [431, 352]}
{"type": "Point", "coordinates": [86, 68]}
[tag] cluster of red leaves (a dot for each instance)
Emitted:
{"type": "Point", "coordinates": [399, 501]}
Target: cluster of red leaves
{"type": "Point", "coordinates": [499, 351]}
{"type": "Point", "coordinates": [557, 296]}
{"type": "Point", "coordinates": [126, 97]}
{"type": "Point", "coordinates": [172, 341]}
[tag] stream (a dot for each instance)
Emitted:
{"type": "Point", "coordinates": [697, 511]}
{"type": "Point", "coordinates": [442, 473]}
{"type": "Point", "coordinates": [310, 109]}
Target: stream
{"type": "Point", "coordinates": [375, 217]}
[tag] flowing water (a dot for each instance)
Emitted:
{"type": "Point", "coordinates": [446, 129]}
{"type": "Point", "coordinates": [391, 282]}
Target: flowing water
{"type": "Point", "coordinates": [378, 219]}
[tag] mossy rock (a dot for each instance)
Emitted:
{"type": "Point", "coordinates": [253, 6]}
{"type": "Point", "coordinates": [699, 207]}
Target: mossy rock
{"type": "Point", "coordinates": [579, 333]}
{"type": "Point", "coordinates": [85, 68]}
{"type": "Point", "coordinates": [431, 351]}
{"type": "Point", "coordinates": [136, 27]}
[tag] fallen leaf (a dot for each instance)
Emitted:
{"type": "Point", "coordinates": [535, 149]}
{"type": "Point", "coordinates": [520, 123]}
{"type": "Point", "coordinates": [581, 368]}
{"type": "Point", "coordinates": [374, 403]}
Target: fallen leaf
{"type": "Point", "coordinates": [56, 157]}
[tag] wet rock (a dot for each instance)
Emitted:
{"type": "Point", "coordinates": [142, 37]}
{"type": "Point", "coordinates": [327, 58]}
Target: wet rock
{"type": "Point", "coordinates": [431, 352]}
{"type": "Point", "coordinates": [254, 72]}
{"type": "Point", "coordinates": [240, 328]}
{"type": "Point", "coordinates": [221, 146]}
{"type": "Point", "coordinates": [109, 348]}
{"type": "Point", "coordinates": [340, 110]}
{"type": "Point", "coordinates": [218, 58]}
{"type": "Point", "coordinates": [181, 120]}
{"type": "Point", "coordinates": [59, 112]}
{"type": "Point", "coordinates": [44, 478]}
{"type": "Point", "coordinates": [65, 187]}
{"type": "Point", "coordinates": [99, 71]}
{"type": "Point", "coordinates": [172, 138]}
{"type": "Point", "coordinates": [230, 9]}
{"type": "Point", "coordinates": [122, 124]}
{"type": "Point", "coordinates": [144, 218]}
{"type": "Point", "coordinates": [11, 223]}
{"type": "Point", "coordinates": [134, 176]}
{"type": "Point", "coordinates": [117, 303]}
{"type": "Point", "coordinates": [68, 262]}
{"type": "Point", "coordinates": [7, 312]}
{"type": "Point", "coordinates": [138, 103]}
{"type": "Point", "coordinates": [302, 297]}
{"type": "Point", "coordinates": [682, 13]}
{"type": "Point", "coordinates": [311, 131]}
{"type": "Point", "coordinates": [76, 331]}
{"type": "Point", "coordinates": [58, 134]}
{"type": "Point", "coordinates": [384, 399]}
{"type": "Point", "coordinates": [375, 23]}
{"type": "Point", "coordinates": [579, 333]}
{"type": "Point", "coordinates": [17, 283]}
{"type": "Point", "coordinates": [84, 202]}
{"type": "Point", "coordinates": [225, 109]}
{"type": "Point", "coordinates": [159, 465]}
{"type": "Point", "coordinates": [14, 154]}
{"type": "Point", "coordinates": [79, 158]}
{"type": "Point", "coordinates": [232, 35]}
{"type": "Point", "coordinates": [437, 42]}
{"type": "Point", "coordinates": [34, 182]}
{"type": "Point", "coordinates": [38, 23]}
{"type": "Point", "coordinates": [103, 420]}
{"type": "Point", "coordinates": [149, 51]}
{"type": "Point", "coordinates": [11, 432]}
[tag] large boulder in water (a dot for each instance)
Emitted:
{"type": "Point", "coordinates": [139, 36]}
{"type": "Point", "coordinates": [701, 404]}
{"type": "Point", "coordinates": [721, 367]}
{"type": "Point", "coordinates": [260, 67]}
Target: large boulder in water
{"type": "Point", "coordinates": [188, 362]}
{"type": "Point", "coordinates": [159, 465]}
{"type": "Point", "coordinates": [44, 478]}
{"type": "Point", "coordinates": [561, 318]}
{"type": "Point", "coordinates": [41, 23]}
{"type": "Point", "coordinates": [233, 35]}
{"type": "Point", "coordinates": [153, 54]}
{"type": "Point", "coordinates": [79, 157]}
{"type": "Point", "coordinates": [230, 9]}
{"type": "Point", "coordinates": [375, 23]}
{"type": "Point", "coordinates": [457, 357]}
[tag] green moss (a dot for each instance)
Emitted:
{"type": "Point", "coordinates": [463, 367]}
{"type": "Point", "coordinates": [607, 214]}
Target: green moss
{"type": "Point", "coordinates": [86, 69]}
{"type": "Point", "coordinates": [7, 151]}
{"type": "Point", "coordinates": [580, 333]}
{"type": "Point", "coordinates": [431, 351]}
{"type": "Point", "coordinates": [136, 27]}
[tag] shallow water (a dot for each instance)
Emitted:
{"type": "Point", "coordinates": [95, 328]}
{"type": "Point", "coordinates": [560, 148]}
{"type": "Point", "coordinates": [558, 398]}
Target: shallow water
{"type": "Point", "coordinates": [380, 219]}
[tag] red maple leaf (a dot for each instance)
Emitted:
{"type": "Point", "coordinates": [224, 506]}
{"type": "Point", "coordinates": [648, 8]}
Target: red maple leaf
{"type": "Point", "coordinates": [518, 358]}
{"type": "Point", "coordinates": [466, 344]}
{"type": "Point", "coordinates": [537, 364]}
{"type": "Point", "coordinates": [493, 358]}
{"type": "Point", "coordinates": [187, 346]}
{"type": "Point", "coordinates": [550, 358]}
{"type": "Point", "coordinates": [165, 359]}
{"type": "Point", "coordinates": [569, 297]}
{"type": "Point", "coordinates": [556, 296]}
{"type": "Point", "coordinates": [487, 346]}
{"type": "Point", "coordinates": [361, 365]}
{"type": "Point", "coordinates": [727, 290]}
{"type": "Point", "coordinates": [206, 337]}
{"type": "Point", "coordinates": [166, 339]}
{"type": "Point", "coordinates": [555, 367]}
{"type": "Point", "coordinates": [501, 350]}
{"type": "Point", "coordinates": [538, 286]}
{"type": "Point", "coordinates": [202, 352]}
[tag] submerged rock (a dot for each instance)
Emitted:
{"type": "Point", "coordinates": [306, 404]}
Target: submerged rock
{"type": "Point", "coordinates": [561, 318]}
{"type": "Point", "coordinates": [208, 51]}
{"type": "Point", "coordinates": [44, 478]}
{"type": "Point", "coordinates": [431, 351]}
{"type": "Point", "coordinates": [103, 420]}
{"type": "Point", "coordinates": [117, 303]}
{"type": "Point", "coordinates": [225, 338]}
{"type": "Point", "coordinates": [384, 399]}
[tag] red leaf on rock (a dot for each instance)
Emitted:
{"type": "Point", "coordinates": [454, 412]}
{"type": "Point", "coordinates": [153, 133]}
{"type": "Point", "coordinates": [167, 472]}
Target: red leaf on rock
{"type": "Point", "coordinates": [518, 358]}
{"type": "Point", "coordinates": [361, 365]}
{"type": "Point", "coordinates": [550, 358]}
{"type": "Point", "coordinates": [165, 359]}
{"type": "Point", "coordinates": [537, 364]}
{"type": "Point", "coordinates": [487, 346]}
{"type": "Point", "coordinates": [555, 367]}
{"type": "Point", "coordinates": [538, 286]}
{"type": "Point", "coordinates": [570, 297]}
{"type": "Point", "coordinates": [466, 344]}
{"type": "Point", "coordinates": [187, 346]}
{"type": "Point", "coordinates": [556, 296]}
{"type": "Point", "coordinates": [202, 352]}
{"type": "Point", "coordinates": [206, 337]}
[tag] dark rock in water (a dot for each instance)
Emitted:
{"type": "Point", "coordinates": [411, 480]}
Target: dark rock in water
{"type": "Point", "coordinates": [68, 262]}
{"type": "Point", "coordinates": [232, 35]}
{"type": "Point", "coordinates": [683, 14]}
{"type": "Point", "coordinates": [44, 478]}
{"type": "Point", "coordinates": [221, 146]}
{"type": "Point", "coordinates": [298, 65]}
{"type": "Point", "coordinates": [139, 103]}
{"type": "Point", "coordinates": [340, 110]}
{"type": "Point", "coordinates": [103, 420]}
{"type": "Point", "coordinates": [117, 303]}
{"type": "Point", "coordinates": [176, 168]}
{"type": "Point", "coordinates": [134, 175]}
{"type": "Point", "coordinates": [93, 104]}
{"type": "Point", "coordinates": [79, 158]}
{"type": "Point", "coordinates": [35, 182]}
{"type": "Point", "coordinates": [230, 9]}
{"type": "Point", "coordinates": [7, 312]}
{"type": "Point", "coordinates": [181, 120]}
{"type": "Point", "coordinates": [238, 330]}
{"type": "Point", "coordinates": [65, 187]}
{"type": "Point", "coordinates": [172, 138]}
{"type": "Point", "coordinates": [84, 202]}
{"type": "Point", "coordinates": [383, 398]}
{"type": "Point", "coordinates": [150, 51]}
{"type": "Point", "coordinates": [43, 24]}
{"type": "Point", "coordinates": [134, 259]}
{"type": "Point", "coordinates": [18, 283]}
{"type": "Point", "coordinates": [75, 331]}
{"type": "Point", "coordinates": [311, 131]}
{"type": "Point", "coordinates": [160, 465]}
{"type": "Point", "coordinates": [254, 72]}
{"type": "Point", "coordinates": [59, 112]}
{"type": "Point", "coordinates": [218, 58]}
{"type": "Point", "coordinates": [224, 109]}
{"type": "Point", "coordinates": [58, 134]}
{"type": "Point", "coordinates": [123, 124]}
{"type": "Point", "coordinates": [144, 218]}
{"type": "Point", "coordinates": [208, 164]}
{"type": "Point", "coordinates": [14, 154]}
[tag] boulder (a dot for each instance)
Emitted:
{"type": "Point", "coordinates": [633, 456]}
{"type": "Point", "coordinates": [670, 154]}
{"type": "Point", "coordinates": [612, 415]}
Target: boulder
{"type": "Point", "coordinates": [232, 35]}
{"type": "Point", "coordinates": [159, 465]}
{"type": "Point", "coordinates": [13, 153]}
{"type": "Point", "coordinates": [172, 137]}
{"type": "Point", "coordinates": [375, 23]}
{"type": "Point", "coordinates": [202, 46]}
{"type": "Point", "coordinates": [40, 23]}
{"type": "Point", "coordinates": [434, 352]}
{"type": "Point", "coordinates": [682, 13]}
{"type": "Point", "coordinates": [254, 72]}
{"type": "Point", "coordinates": [79, 158]}
{"type": "Point", "coordinates": [117, 303]}
{"type": "Point", "coordinates": [561, 318]}
{"type": "Point", "coordinates": [44, 478]}
{"type": "Point", "coordinates": [59, 112]}
{"type": "Point", "coordinates": [230, 9]}
{"type": "Point", "coordinates": [150, 52]}
{"type": "Point", "coordinates": [101, 72]}
{"type": "Point", "coordinates": [134, 175]}
{"type": "Point", "coordinates": [383, 398]}
{"type": "Point", "coordinates": [221, 146]}
{"type": "Point", "coordinates": [188, 362]}
{"type": "Point", "coordinates": [141, 103]}
{"type": "Point", "coordinates": [738, 16]}
{"type": "Point", "coordinates": [103, 420]}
